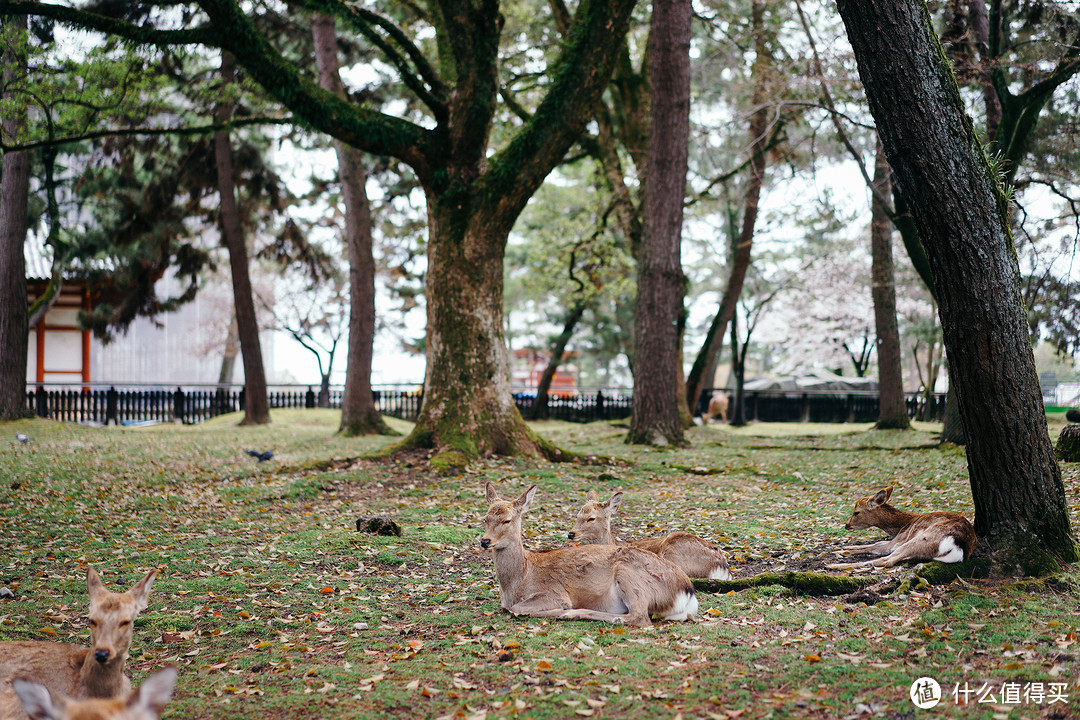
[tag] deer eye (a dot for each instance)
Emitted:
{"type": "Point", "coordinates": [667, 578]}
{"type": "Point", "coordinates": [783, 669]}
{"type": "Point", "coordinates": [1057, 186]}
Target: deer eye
{"type": "Point", "coordinates": [592, 519]}
{"type": "Point", "coordinates": [505, 522]}
{"type": "Point", "coordinates": [125, 623]}
{"type": "Point", "coordinates": [92, 622]}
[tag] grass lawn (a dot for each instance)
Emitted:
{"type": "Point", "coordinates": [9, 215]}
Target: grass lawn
{"type": "Point", "coordinates": [273, 606]}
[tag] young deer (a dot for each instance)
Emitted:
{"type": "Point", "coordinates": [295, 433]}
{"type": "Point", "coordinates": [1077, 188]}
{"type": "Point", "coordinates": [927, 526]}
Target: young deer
{"type": "Point", "coordinates": [943, 536]}
{"type": "Point", "coordinates": [608, 584]}
{"type": "Point", "coordinates": [694, 556]}
{"type": "Point", "coordinates": [75, 672]}
{"type": "Point", "coordinates": [146, 703]}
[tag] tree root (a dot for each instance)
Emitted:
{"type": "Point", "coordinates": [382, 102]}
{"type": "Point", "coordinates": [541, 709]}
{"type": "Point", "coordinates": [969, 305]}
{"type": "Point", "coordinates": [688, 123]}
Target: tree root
{"type": "Point", "coordinates": [800, 583]}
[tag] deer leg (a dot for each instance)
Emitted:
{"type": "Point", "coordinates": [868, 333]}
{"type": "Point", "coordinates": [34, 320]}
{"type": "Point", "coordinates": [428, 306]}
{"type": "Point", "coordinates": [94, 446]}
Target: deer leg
{"type": "Point", "coordinates": [882, 547]}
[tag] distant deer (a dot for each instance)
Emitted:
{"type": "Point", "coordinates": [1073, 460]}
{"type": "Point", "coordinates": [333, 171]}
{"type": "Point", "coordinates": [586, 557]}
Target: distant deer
{"type": "Point", "coordinates": [146, 703]}
{"type": "Point", "coordinates": [943, 536]}
{"type": "Point", "coordinates": [603, 583]}
{"type": "Point", "coordinates": [718, 407]}
{"type": "Point", "coordinates": [75, 672]}
{"type": "Point", "coordinates": [694, 556]}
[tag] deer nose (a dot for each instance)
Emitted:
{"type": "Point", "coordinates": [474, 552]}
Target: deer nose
{"type": "Point", "coordinates": [485, 543]}
{"type": "Point", "coordinates": [102, 656]}
{"type": "Point", "coordinates": [571, 534]}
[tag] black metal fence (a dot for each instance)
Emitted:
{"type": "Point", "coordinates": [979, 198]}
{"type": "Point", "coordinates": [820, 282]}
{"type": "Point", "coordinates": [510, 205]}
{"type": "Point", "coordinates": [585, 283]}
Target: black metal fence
{"type": "Point", "coordinates": [194, 404]}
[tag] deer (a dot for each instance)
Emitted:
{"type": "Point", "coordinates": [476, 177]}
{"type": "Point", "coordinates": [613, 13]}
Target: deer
{"type": "Point", "coordinates": [595, 582]}
{"type": "Point", "coordinates": [75, 672]}
{"type": "Point", "coordinates": [943, 536]}
{"type": "Point", "coordinates": [696, 557]}
{"type": "Point", "coordinates": [718, 407]}
{"type": "Point", "coordinates": [145, 703]}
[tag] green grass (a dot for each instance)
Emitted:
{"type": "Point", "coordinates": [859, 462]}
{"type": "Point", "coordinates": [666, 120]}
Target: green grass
{"type": "Point", "coordinates": [273, 606]}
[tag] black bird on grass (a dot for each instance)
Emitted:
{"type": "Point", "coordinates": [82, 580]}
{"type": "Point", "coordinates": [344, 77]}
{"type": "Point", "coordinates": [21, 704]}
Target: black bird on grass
{"type": "Point", "coordinates": [260, 456]}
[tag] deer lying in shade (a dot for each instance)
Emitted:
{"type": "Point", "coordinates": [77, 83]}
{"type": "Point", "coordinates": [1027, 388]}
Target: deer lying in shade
{"type": "Point", "coordinates": [604, 583]}
{"type": "Point", "coordinates": [146, 703]}
{"type": "Point", "coordinates": [943, 536]}
{"type": "Point", "coordinates": [696, 557]}
{"type": "Point", "coordinates": [75, 672]}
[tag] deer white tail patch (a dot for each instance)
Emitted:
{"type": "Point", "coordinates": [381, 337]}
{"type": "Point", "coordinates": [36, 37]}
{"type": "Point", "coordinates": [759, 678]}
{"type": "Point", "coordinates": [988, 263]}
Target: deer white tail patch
{"type": "Point", "coordinates": [949, 551]}
{"type": "Point", "coordinates": [685, 607]}
{"type": "Point", "coordinates": [720, 573]}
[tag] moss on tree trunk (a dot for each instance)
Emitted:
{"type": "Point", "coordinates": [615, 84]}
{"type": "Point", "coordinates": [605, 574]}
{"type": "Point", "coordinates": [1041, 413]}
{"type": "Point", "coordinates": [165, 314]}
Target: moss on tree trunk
{"type": "Point", "coordinates": [800, 583]}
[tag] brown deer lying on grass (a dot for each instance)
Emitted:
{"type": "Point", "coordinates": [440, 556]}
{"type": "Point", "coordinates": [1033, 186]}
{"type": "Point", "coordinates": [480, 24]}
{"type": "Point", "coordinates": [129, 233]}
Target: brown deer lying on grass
{"type": "Point", "coordinates": [694, 556]}
{"type": "Point", "coordinates": [943, 536]}
{"type": "Point", "coordinates": [75, 672]}
{"type": "Point", "coordinates": [146, 703]}
{"type": "Point", "coordinates": [604, 583]}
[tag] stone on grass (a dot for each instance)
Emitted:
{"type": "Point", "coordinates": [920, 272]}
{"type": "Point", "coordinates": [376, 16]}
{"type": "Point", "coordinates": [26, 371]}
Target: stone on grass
{"type": "Point", "coordinates": [378, 525]}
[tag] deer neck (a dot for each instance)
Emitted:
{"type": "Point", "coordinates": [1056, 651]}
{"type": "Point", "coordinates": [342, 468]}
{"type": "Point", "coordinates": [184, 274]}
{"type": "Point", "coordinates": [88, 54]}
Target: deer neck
{"type": "Point", "coordinates": [511, 567]}
{"type": "Point", "coordinates": [606, 537]}
{"type": "Point", "coordinates": [102, 681]}
{"type": "Point", "coordinates": [893, 521]}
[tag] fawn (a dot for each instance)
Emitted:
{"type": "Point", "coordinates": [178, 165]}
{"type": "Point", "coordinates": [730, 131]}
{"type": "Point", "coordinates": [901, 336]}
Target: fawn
{"type": "Point", "coordinates": [603, 583]}
{"type": "Point", "coordinates": [943, 536]}
{"type": "Point", "coordinates": [146, 703]}
{"type": "Point", "coordinates": [75, 672]}
{"type": "Point", "coordinates": [694, 556]}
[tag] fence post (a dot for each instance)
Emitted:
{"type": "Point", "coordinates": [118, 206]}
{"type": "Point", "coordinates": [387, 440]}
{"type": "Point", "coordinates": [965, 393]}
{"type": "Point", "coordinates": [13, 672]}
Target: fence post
{"type": "Point", "coordinates": [41, 401]}
{"type": "Point", "coordinates": [111, 398]}
{"type": "Point", "coordinates": [240, 398]}
{"type": "Point", "coordinates": [178, 405]}
{"type": "Point", "coordinates": [600, 414]}
{"type": "Point", "coordinates": [309, 398]}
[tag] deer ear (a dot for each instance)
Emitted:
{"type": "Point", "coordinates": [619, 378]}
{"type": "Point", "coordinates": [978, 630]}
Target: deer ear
{"type": "Point", "coordinates": [591, 496]}
{"type": "Point", "coordinates": [615, 501]}
{"type": "Point", "coordinates": [489, 490]}
{"type": "Point", "coordinates": [36, 700]}
{"type": "Point", "coordinates": [93, 583]}
{"type": "Point", "coordinates": [888, 492]}
{"type": "Point", "coordinates": [155, 692]}
{"type": "Point", "coordinates": [522, 503]}
{"type": "Point", "coordinates": [140, 591]}
{"type": "Point", "coordinates": [880, 498]}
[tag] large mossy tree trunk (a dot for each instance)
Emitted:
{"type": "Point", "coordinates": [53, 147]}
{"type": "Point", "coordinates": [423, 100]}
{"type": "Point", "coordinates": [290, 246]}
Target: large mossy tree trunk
{"type": "Point", "coordinates": [14, 193]}
{"type": "Point", "coordinates": [655, 419]}
{"type": "Point", "coordinates": [256, 401]}
{"type": "Point", "coordinates": [1020, 511]}
{"type": "Point", "coordinates": [893, 408]}
{"type": "Point", "coordinates": [359, 416]}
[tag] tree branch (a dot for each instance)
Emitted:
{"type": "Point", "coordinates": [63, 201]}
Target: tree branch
{"type": "Point", "coordinates": [138, 34]}
{"type": "Point", "coordinates": [360, 127]}
{"type": "Point", "coordinates": [368, 23]}
{"type": "Point", "coordinates": [145, 132]}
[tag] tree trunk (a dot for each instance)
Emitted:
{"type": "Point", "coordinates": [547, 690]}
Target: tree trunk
{"type": "Point", "coordinates": [1020, 509]}
{"type": "Point", "coordinates": [228, 359]}
{"type": "Point", "coordinates": [738, 372]}
{"type": "Point", "coordinates": [537, 411]}
{"type": "Point", "coordinates": [759, 121]}
{"type": "Point", "coordinates": [359, 416]}
{"type": "Point", "coordinates": [893, 412]}
{"type": "Point", "coordinates": [256, 403]}
{"type": "Point", "coordinates": [468, 408]}
{"type": "Point", "coordinates": [14, 193]}
{"type": "Point", "coordinates": [655, 418]}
